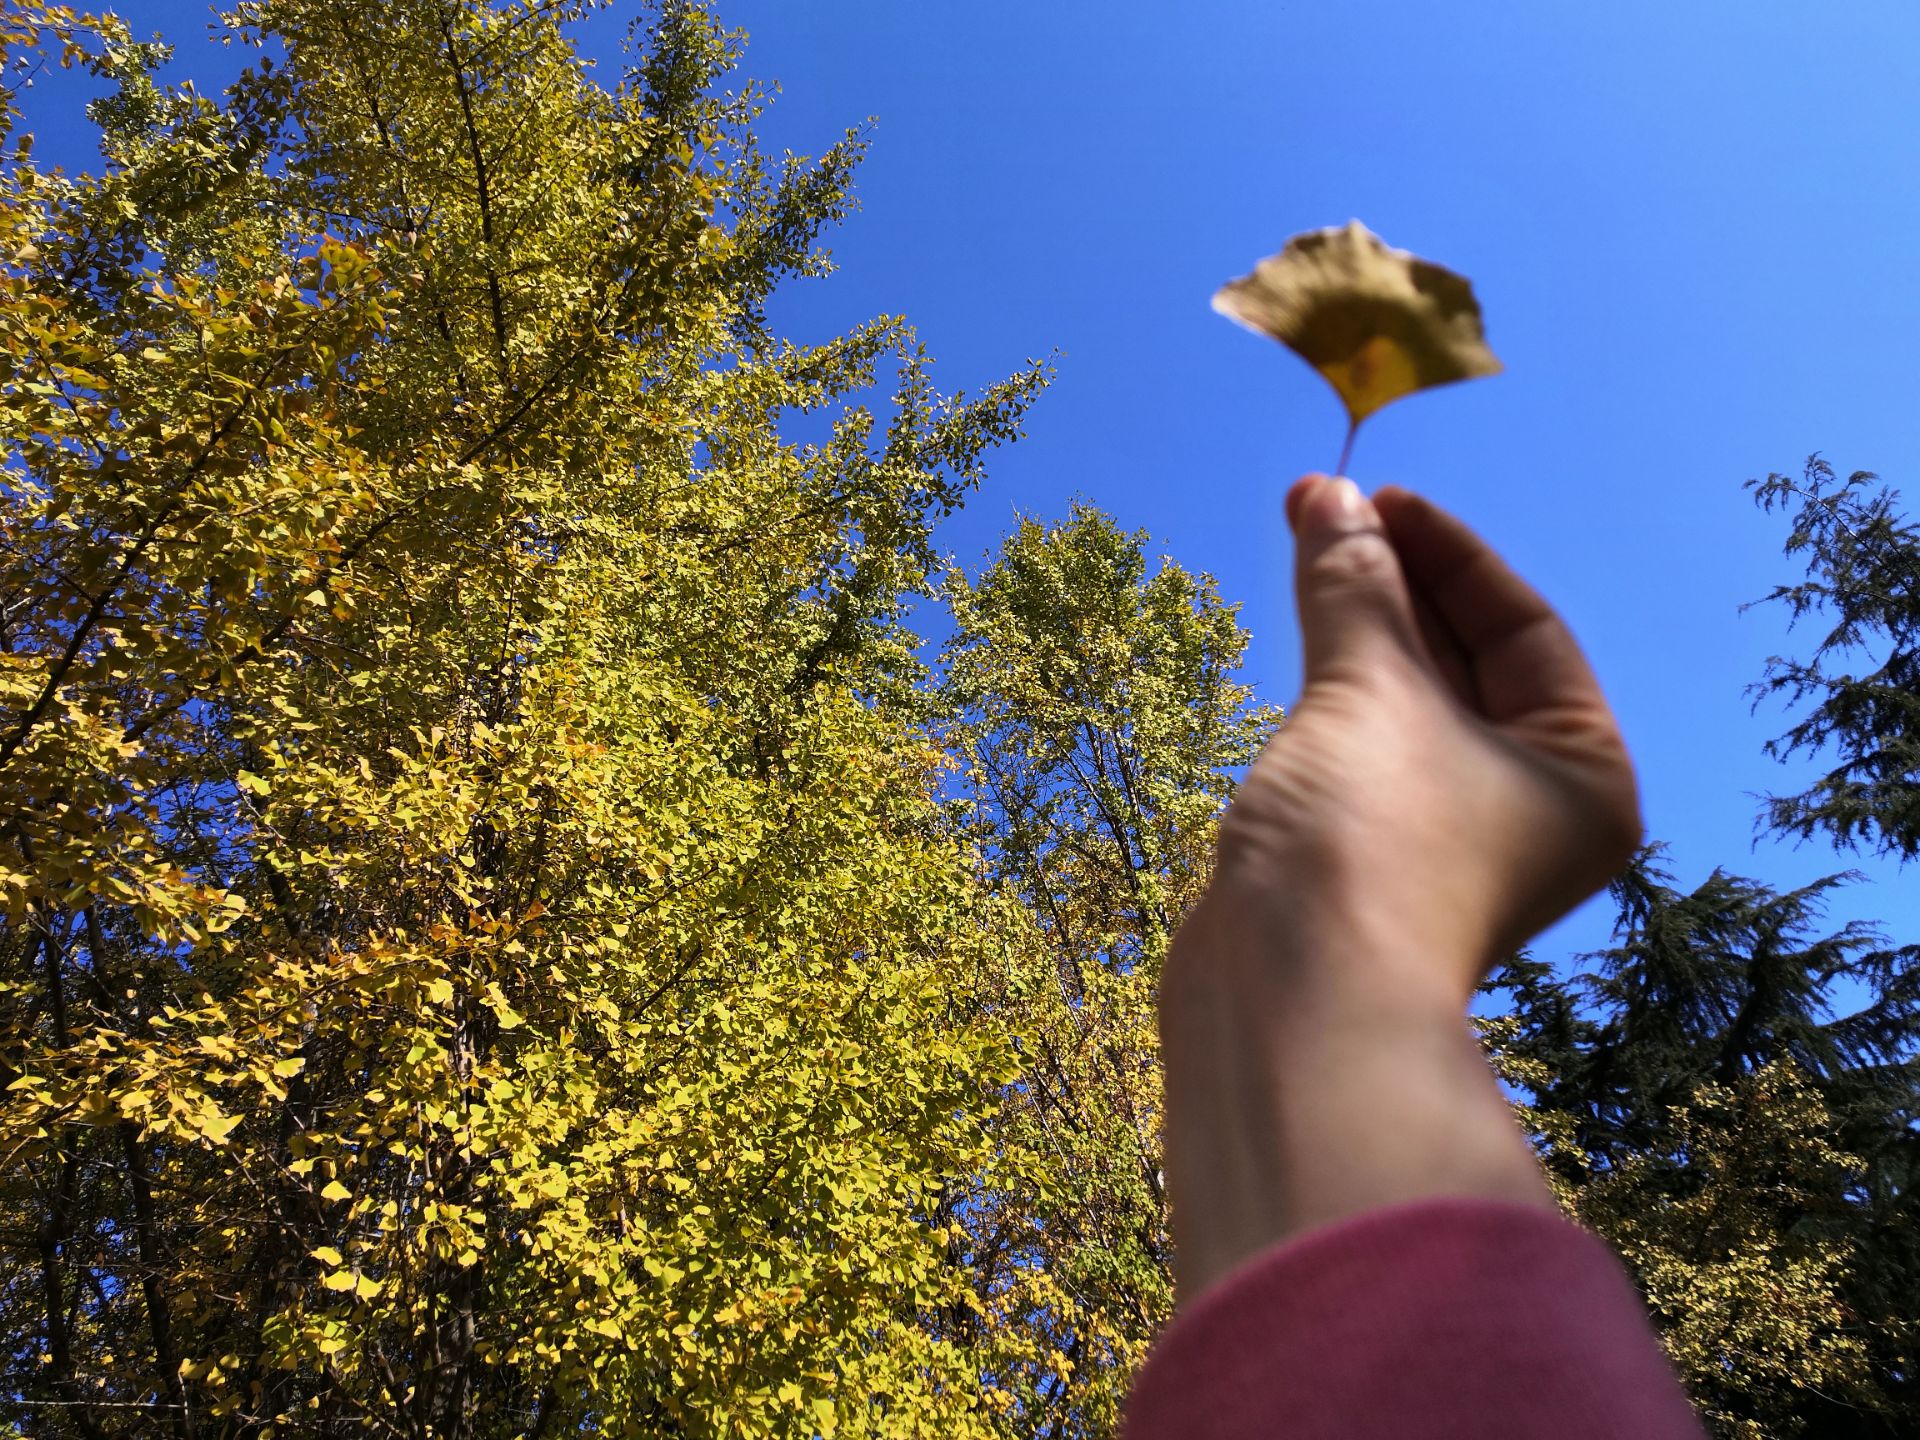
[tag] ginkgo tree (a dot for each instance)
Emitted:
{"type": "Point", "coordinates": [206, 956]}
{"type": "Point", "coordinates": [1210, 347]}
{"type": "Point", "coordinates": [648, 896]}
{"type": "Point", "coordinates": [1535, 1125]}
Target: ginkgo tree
{"type": "Point", "coordinates": [1099, 723]}
{"type": "Point", "coordinates": [483, 954]}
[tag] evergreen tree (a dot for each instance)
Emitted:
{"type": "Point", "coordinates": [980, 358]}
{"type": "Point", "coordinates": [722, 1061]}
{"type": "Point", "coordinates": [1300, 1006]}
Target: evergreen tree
{"type": "Point", "coordinates": [1863, 581]}
{"type": "Point", "coordinates": [1699, 1102]}
{"type": "Point", "coordinates": [1695, 1095]}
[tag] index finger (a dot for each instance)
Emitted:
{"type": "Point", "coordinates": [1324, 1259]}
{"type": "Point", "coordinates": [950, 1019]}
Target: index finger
{"type": "Point", "coordinates": [1523, 656]}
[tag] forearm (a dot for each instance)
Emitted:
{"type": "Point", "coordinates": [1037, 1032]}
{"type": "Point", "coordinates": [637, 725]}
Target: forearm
{"type": "Point", "coordinates": [1293, 1100]}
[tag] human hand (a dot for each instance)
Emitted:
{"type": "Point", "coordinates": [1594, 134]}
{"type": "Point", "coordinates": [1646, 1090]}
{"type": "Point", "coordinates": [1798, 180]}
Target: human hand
{"type": "Point", "coordinates": [1450, 782]}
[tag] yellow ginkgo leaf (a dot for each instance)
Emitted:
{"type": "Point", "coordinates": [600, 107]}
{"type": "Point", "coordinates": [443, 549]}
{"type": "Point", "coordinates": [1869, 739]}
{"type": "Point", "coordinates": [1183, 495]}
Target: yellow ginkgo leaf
{"type": "Point", "coordinates": [1378, 323]}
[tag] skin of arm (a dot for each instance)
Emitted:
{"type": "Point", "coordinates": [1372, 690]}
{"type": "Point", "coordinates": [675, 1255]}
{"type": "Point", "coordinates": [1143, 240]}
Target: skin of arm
{"type": "Point", "coordinates": [1451, 782]}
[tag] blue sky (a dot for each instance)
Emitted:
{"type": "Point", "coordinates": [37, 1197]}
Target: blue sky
{"type": "Point", "coordinates": [1689, 226]}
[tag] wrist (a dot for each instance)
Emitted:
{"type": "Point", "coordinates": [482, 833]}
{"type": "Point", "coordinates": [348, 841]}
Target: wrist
{"type": "Point", "coordinates": [1304, 1086]}
{"type": "Point", "coordinates": [1296, 956]}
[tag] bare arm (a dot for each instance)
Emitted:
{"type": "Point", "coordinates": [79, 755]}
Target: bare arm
{"type": "Point", "coordinates": [1451, 781]}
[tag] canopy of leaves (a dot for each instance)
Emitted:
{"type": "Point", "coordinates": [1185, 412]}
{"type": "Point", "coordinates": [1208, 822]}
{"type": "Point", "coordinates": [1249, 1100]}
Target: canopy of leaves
{"type": "Point", "coordinates": [483, 951]}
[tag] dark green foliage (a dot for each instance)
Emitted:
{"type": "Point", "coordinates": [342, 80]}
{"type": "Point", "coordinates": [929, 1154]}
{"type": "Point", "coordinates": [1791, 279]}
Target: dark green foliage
{"type": "Point", "coordinates": [1730, 1092]}
{"type": "Point", "coordinates": [1863, 580]}
{"type": "Point", "coordinates": [1652, 1077]}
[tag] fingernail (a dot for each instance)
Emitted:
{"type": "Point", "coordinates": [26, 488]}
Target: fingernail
{"type": "Point", "coordinates": [1345, 503]}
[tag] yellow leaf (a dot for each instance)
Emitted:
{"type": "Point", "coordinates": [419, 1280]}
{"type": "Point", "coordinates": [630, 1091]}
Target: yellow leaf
{"type": "Point", "coordinates": [326, 1255]}
{"type": "Point", "coordinates": [508, 1017]}
{"type": "Point", "coordinates": [1376, 322]}
{"type": "Point", "coordinates": [336, 1191]}
{"type": "Point", "coordinates": [217, 1127]}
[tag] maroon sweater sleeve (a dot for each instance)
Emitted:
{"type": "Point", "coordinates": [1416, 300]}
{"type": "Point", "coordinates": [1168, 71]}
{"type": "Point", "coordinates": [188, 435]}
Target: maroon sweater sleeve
{"type": "Point", "coordinates": [1437, 1320]}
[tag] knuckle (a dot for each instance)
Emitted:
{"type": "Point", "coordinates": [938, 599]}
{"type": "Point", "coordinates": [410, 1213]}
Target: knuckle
{"type": "Point", "coordinates": [1358, 558]}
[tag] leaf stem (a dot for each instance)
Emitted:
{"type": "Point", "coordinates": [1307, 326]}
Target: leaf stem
{"type": "Point", "coordinates": [1346, 450]}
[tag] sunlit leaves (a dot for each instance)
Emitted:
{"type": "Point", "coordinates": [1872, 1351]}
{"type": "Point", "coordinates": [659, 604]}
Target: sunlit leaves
{"type": "Point", "coordinates": [1100, 725]}
{"type": "Point", "coordinates": [484, 943]}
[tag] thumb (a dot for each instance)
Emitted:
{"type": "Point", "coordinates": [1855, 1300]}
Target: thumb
{"type": "Point", "coordinates": [1355, 607]}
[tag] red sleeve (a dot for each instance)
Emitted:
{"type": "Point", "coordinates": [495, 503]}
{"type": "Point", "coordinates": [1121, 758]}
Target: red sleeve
{"type": "Point", "coordinates": [1438, 1320]}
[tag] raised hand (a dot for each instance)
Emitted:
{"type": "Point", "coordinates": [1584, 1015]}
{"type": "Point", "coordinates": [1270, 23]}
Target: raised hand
{"type": "Point", "coordinates": [1450, 782]}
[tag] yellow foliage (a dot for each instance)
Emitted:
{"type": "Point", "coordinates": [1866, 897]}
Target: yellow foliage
{"type": "Point", "coordinates": [479, 908]}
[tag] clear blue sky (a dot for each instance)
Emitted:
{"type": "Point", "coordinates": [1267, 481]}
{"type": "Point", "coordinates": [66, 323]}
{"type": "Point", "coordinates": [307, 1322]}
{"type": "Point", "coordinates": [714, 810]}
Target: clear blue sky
{"type": "Point", "coordinates": [1691, 227]}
